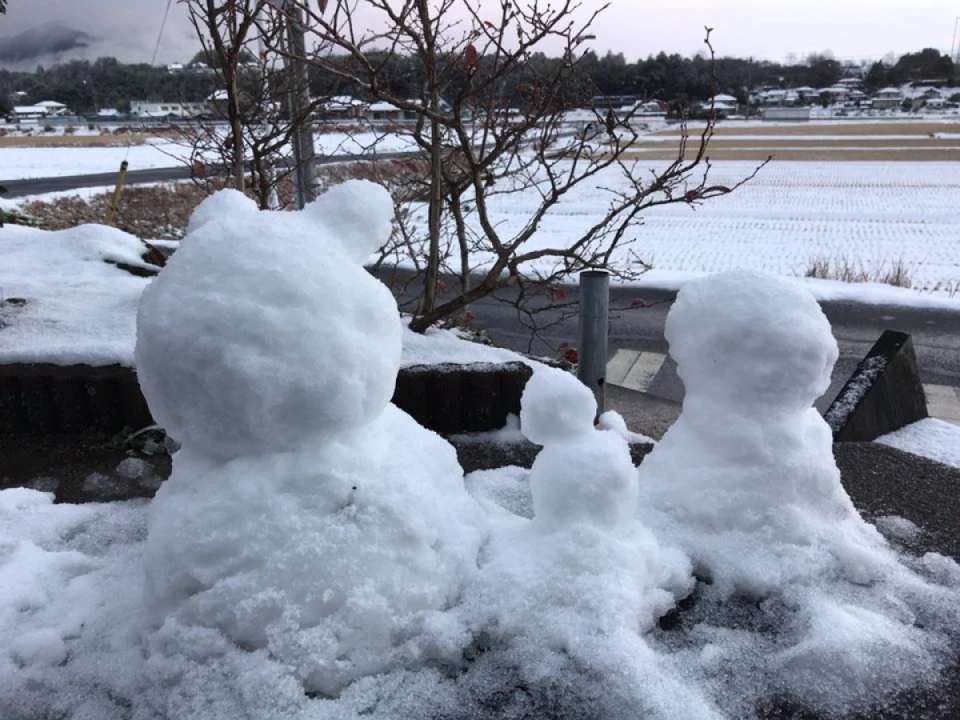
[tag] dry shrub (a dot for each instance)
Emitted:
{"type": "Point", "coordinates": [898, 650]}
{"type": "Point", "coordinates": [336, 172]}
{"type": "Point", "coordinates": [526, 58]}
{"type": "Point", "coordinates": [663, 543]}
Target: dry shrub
{"type": "Point", "coordinates": [845, 270]}
{"type": "Point", "coordinates": [69, 130]}
{"type": "Point", "coordinates": [151, 212]}
{"type": "Point", "coordinates": [48, 128]}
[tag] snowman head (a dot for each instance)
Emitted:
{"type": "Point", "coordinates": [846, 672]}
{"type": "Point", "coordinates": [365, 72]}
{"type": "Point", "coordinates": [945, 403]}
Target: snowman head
{"type": "Point", "coordinates": [556, 407]}
{"type": "Point", "coordinates": [265, 330]}
{"type": "Point", "coordinates": [751, 341]}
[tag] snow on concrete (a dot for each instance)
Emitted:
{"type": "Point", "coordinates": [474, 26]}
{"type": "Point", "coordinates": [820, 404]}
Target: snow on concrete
{"type": "Point", "coordinates": [929, 438]}
{"type": "Point", "coordinates": [79, 307]}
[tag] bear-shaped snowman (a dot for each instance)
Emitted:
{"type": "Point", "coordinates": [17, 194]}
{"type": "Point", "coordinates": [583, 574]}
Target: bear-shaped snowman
{"type": "Point", "coordinates": [306, 516]}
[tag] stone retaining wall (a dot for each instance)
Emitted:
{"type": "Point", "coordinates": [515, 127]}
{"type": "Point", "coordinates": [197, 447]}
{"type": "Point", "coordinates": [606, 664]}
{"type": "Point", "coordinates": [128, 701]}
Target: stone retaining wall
{"type": "Point", "coordinates": [43, 398]}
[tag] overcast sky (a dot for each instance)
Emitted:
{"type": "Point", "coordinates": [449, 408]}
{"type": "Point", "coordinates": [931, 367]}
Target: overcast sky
{"type": "Point", "coordinates": [763, 29]}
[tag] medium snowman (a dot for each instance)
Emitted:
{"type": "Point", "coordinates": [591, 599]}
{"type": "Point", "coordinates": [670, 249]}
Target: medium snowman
{"type": "Point", "coordinates": [745, 480]}
{"type": "Point", "coordinates": [306, 515]}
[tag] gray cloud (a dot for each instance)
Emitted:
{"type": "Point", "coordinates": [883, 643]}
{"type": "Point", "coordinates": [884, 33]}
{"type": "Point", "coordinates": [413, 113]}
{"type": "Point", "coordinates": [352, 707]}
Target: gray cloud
{"type": "Point", "coordinates": [852, 29]}
{"type": "Point", "coordinates": [126, 29]}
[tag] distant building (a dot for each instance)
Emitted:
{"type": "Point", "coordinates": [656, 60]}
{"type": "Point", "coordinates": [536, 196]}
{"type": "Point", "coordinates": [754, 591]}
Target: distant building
{"type": "Point", "coordinates": [27, 112]}
{"type": "Point", "coordinates": [342, 107]}
{"type": "Point", "coordinates": [888, 98]}
{"type": "Point", "coordinates": [53, 107]}
{"type": "Point", "coordinates": [144, 109]}
{"type": "Point", "coordinates": [175, 68]}
{"type": "Point", "coordinates": [384, 111]}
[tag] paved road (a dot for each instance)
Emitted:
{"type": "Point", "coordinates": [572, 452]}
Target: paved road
{"type": "Point", "coordinates": [40, 186]}
{"type": "Point", "coordinates": [637, 348]}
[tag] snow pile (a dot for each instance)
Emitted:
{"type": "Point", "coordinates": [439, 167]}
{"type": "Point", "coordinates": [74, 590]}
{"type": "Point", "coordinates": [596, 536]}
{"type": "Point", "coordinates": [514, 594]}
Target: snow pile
{"type": "Point", "coordinates": [78, 306]}
{"type": "Point", "coordinates": [306, 518]}
{"type": "Point", "coordinates": [929, 438]}
{"type": "Point", "coordinates": [317, 554]}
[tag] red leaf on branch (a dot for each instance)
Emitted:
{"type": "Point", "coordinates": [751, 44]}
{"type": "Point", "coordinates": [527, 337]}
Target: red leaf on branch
{"type": "Point", "coordinates": [441, 286]}
{"type": "Point", "coordinates": [558, 293]}
{"type": "Point", "coordinates": [322, 5]}
{"type": "Point", "coordinates": [638, 303]}
{"type": "Point", "coordinates": [470, 57]}
{"type": "Point", "coordinates": [468, 317]}
{"type": "Point", "coordinates": [571, 356]}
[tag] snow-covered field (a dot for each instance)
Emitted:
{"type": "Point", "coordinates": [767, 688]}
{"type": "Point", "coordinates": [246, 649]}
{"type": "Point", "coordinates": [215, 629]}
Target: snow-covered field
{"type": "Point", "coordinates": [873, 215]}
{"type": "Point", "coordinates": [17, 163]}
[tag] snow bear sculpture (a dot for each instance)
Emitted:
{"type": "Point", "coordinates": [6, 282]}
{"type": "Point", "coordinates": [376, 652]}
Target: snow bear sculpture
{"type": "Point", "coordinates": [306, 516]}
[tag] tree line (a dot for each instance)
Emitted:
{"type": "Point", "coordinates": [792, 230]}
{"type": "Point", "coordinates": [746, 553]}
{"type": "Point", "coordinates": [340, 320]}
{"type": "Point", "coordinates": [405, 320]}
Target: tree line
{"type": "Point", "coordinates": [87, 86]}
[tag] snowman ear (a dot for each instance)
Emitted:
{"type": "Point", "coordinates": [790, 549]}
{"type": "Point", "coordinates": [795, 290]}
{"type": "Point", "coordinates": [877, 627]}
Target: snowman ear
{"type": "Point", "coordinates": [556, 407]}
{"type": "Point", "coordinates": [222, 204]}
{"type": "Point", "coordinates": [358, 213]}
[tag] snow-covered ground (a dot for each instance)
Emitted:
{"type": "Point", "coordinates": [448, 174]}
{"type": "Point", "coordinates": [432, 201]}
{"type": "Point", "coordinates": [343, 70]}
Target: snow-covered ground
{"type": "Point", "coordinates": [17, 163]}
{"type": "Point", "coordinates": [929, 438]}
{"type": "Point", "coordinates": [317, 555]}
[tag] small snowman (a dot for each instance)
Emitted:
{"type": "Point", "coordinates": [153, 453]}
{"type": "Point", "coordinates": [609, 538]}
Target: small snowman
{"type": "Point", "coordinates": [306, 515]}
{"type": "Point", "coordinates": [582, 474]}
{"type": "Point", "coordinates": [583, 566]}
{"type": "Point", "coordinates": [745, 480]}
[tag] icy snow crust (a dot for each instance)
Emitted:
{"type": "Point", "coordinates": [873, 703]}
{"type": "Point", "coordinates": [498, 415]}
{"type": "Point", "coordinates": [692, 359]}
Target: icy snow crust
{"type": "Point", "coordinates": [317, 554]}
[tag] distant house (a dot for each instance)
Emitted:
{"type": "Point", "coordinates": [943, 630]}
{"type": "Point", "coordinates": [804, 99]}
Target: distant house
{"type": "Point", "coordinates": [835, 94]}
{"type": "Point", "coordinates": [772, 98]}
{"type": "Point", "coordinates": [108, 112]}
{"type": "Point", "coordinates": [27, 112]}
{"type": "Point", "coordinates": [175, 68]}
{"type": "Point", "coordinates": [889, 98]}
{"type": "Point", "coordinates": [144, 109]}
{"type": "Point", "coordinates": [53, 108]}
{"type": "Point", "coordinates": [342, 107]}
{"type": "Point", "coordinates": [384, 111]}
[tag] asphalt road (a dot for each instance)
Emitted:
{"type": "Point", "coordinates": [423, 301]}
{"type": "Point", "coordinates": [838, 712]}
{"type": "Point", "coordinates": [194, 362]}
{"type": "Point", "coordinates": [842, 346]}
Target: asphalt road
{"type": "Point", "coordinates": [936, 335]}
{"type": "Point", "coordinates": [40, 186]}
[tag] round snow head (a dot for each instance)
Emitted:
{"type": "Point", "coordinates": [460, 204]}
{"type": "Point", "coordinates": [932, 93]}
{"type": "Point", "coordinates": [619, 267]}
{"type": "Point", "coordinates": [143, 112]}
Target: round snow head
{"type": "Point", "coordinates": [556, 407]}
{"type": "Point", "coordinates": [261, 332]}
{"type": "Point", "coordinates": [359, 213]}
{"type": "Point", "coordinates": [748, 338]}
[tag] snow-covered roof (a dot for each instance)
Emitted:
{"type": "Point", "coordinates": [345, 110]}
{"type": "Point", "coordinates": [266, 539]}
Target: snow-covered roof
{"type": "Point", "coordinates": [219, 95]}
{"type": "Point", "coordinates": [724, 99]}
{"type": "Point", "coordinates": [723, 106]}
{"type": "Point", "coordinates": [806, 89]}
{"type": "Point", "coordinates": [889, 91]}
{"type": "Point", "coordinates": [29, 109]}
{"type": "Point", "coordinates": [50, 104]}
{"type": "Point", "coordinates": [383, 106]}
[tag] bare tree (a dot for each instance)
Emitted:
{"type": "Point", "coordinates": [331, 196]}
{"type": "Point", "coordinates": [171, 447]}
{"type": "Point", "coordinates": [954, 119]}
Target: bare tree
{"type": "Point", "coordinates": [253, 98]}
{"type": "Point", "coordinates": [479, 157]}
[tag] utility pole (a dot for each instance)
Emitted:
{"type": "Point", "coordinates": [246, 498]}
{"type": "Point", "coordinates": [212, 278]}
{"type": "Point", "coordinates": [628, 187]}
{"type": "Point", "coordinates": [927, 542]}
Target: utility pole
{"type": "Point", "coordinates": [299, 102]}
{"type": "Point", "coordinates": [954, 47]}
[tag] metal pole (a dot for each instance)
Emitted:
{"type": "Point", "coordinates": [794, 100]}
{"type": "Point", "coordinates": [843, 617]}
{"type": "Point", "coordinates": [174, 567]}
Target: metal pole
{"type": "Point", "coordinates": [303, 148]}
{"type": "Point", "coordinates": [594, 310]}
